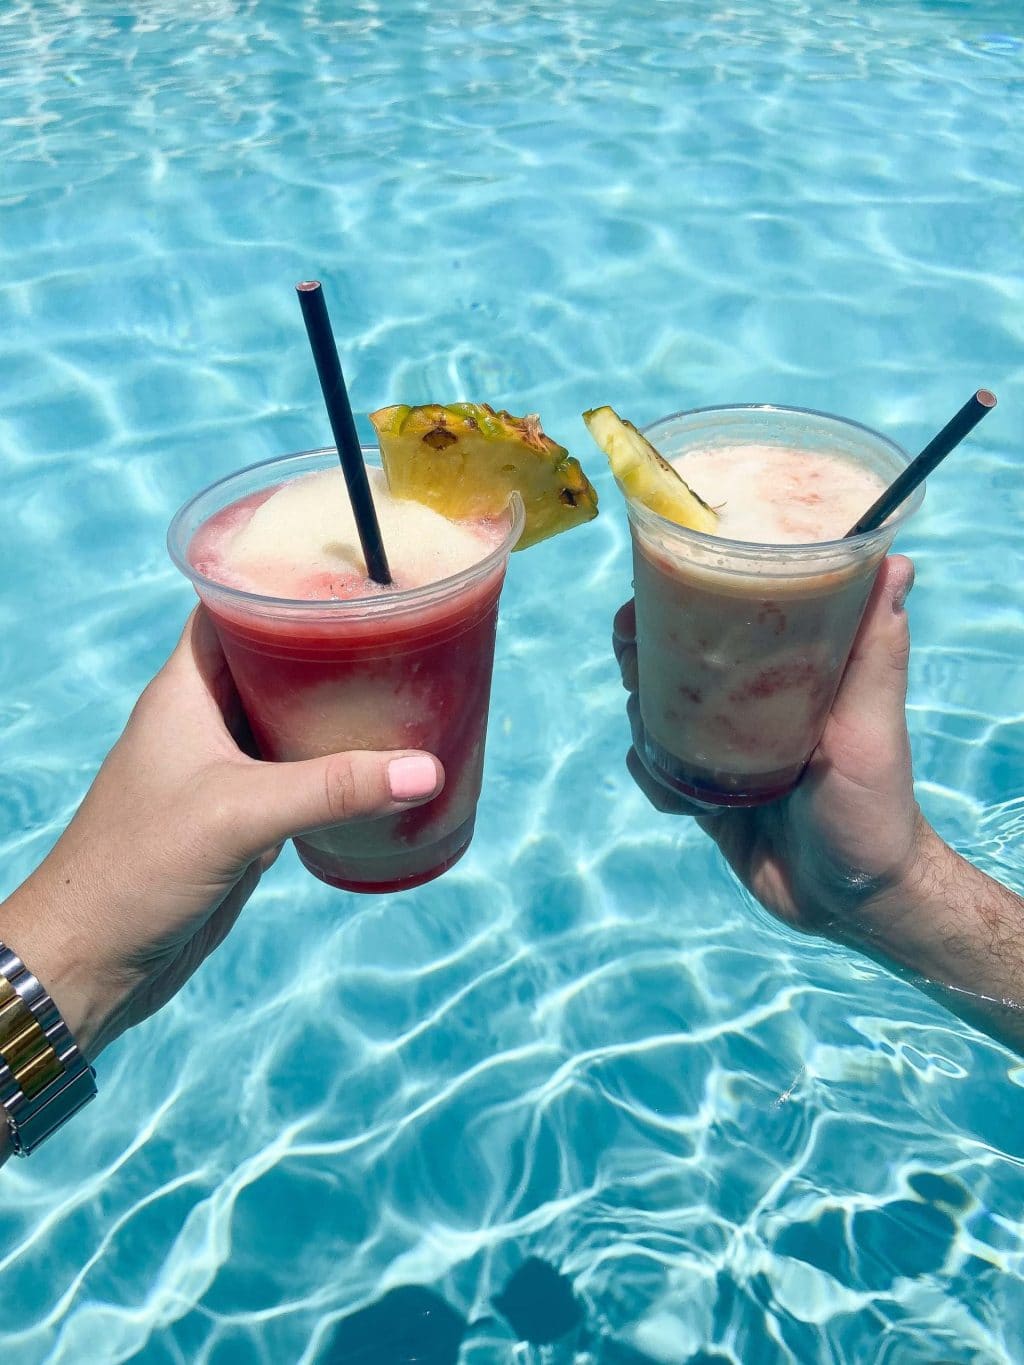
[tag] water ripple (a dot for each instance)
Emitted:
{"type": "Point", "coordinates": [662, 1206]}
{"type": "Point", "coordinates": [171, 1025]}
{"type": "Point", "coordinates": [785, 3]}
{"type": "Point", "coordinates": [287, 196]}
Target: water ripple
{"type": "Point", "coordinates": [583, 1044]}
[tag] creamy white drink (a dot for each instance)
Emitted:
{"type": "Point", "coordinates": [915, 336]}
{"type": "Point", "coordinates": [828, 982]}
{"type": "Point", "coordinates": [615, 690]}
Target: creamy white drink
{"type": "Point", "coordinates": [742, 636]}
{"type": "Point", "coordinates": [780, 495]}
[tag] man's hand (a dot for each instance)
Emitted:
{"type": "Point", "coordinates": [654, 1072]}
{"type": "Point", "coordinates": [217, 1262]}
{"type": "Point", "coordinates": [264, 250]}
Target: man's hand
{"type": "Point", "coordinates": [848, 854]}
{"type": "Point", "coordinates": [852, 829]}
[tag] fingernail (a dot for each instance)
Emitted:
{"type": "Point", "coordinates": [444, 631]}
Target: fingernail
{"type": "Point", "coordinates": [410, 778]}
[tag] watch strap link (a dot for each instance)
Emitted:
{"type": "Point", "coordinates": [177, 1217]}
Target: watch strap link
{"type": "Point", "coordinates": [44, 1079]}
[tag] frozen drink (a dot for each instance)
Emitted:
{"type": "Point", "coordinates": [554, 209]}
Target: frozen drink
{"type": "Point", "coordinates": [326, 660]}
{"type": "Point", "coordinates": [743, 635]}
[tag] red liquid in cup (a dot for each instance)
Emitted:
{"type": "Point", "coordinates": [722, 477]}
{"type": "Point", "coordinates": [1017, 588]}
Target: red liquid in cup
{"type": "Point", "coordinates": [356, 666]}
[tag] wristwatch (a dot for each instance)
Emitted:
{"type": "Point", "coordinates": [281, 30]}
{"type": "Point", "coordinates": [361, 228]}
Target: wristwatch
{"type": "Point", "coordinates": [44, 1079]}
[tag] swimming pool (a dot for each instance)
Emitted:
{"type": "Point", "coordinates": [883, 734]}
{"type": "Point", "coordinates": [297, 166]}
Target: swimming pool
{"type": "Point", "coordinates": [737, 1144]}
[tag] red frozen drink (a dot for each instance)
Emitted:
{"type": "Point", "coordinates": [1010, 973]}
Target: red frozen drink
{"type": "Point", "coordinates": [326, 660]}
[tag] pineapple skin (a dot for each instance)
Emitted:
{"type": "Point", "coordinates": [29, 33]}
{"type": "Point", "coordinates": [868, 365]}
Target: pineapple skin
{"type": "Point", "coordinates": [465, 459]}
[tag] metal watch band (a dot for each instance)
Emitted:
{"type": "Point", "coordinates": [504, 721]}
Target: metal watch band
{"type": "Point", "coordinates": [44, 1079]}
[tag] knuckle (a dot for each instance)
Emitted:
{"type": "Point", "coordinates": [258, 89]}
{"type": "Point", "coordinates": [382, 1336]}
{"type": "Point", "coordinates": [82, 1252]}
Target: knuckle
{"type": "Point", "coordinates": [899, 656]}
{"type": "Point", "coordinates": [899, 649]}
{"type": "Point", "coordinates": [348, 793]}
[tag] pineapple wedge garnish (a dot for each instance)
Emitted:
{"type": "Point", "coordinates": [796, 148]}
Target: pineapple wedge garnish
{"type": "Point", "coordinates": [465, 459]}
{"type": "Point", "coordinates": [644, 475]}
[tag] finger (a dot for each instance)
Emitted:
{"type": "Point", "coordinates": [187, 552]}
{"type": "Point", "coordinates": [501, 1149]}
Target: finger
{"type": "Point", "coordinates": [212, 668]}
{"type": "Point", "coordinates": [660, 797]}
{"type": "Point", "coordinates": [198, 648]}
{"type": "Point", "coordinates": [624, 628]}
{"type": "Point", "coordinates": [202, 638]}
{"type": "Point", "coordinates": [873, 691]}
{"type": "Point", "coordinates": [268, 858]}
{"type": "Point", "coordinates": [636, 728]}
{"type": "Point", "coordinates": [196, 674]}
{"type": "Point", "coordinates": [203, 656]}
{"type": "Point", "coordinates": [628, 669]}
{"type": "Point", "coordinates": [272, 802]}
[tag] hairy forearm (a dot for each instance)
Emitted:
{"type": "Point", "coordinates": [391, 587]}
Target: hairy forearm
{"type": "Point", "coordinates": [958, 935]}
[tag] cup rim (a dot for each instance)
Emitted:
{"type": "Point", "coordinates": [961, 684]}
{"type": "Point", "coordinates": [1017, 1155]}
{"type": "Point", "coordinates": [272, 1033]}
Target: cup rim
{"type": "Point", "coordinates": [389, 601]}
{"type": "Point", "coordinates": [802, 548]}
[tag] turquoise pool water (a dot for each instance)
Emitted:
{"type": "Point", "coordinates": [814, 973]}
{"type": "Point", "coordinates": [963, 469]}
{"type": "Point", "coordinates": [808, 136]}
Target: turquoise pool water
{"type": "Point", "coordinates": [585, 1044]}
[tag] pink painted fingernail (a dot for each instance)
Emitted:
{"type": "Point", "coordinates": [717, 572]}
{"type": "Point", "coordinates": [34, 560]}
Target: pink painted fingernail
{"type": "Point", "coordinates": [412, 777]}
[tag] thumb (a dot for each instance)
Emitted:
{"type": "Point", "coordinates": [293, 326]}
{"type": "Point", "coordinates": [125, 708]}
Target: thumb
{"type": "Point", "coordinates": [279, 800]}
{"type": "Point", "coordinates": [874, 688]}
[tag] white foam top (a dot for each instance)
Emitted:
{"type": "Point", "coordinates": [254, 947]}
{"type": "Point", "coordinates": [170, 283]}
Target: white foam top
{"type": "Point", "coordinates": [301, 542]}
{"type": "Point", "coordinates": [777, 495]}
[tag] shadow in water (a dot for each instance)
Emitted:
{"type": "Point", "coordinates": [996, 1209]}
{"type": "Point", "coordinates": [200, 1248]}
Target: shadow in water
{"type": "Point", "coordinates": [412, 1325]}
{"type": "Point", "coordinates": [408, 1326]}
{"type": "Point", "coordinates": [538, 1303]}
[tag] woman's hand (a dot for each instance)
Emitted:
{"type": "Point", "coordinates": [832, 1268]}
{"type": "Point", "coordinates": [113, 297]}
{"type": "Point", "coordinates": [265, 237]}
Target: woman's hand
{"type": "Point", "coordinates": [172, 839]}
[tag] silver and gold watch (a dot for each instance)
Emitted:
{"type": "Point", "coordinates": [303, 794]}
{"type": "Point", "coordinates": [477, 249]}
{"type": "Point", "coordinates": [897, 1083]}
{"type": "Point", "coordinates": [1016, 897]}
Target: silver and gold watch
{"type": "Point", "coordinates": [44, 1079]}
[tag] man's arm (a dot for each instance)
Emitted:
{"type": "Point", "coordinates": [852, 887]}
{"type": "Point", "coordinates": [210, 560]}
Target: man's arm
{"type": "Point", "coordinates": [849, 856]}
{"type": "Point", "coordinates": [956, 933]}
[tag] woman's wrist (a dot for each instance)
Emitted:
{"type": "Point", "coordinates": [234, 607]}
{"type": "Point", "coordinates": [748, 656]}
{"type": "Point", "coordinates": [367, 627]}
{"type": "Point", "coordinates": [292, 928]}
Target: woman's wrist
{"type": "Point", "coordinates": [58, 958]}
{"type": "Point", "coordinates": [49, 994]}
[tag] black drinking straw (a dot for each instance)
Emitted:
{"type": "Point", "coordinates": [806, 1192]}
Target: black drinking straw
{"type": "Point", "coordinates": [918, 470]}
{"type": "Point", "coordinates": [339, 411]}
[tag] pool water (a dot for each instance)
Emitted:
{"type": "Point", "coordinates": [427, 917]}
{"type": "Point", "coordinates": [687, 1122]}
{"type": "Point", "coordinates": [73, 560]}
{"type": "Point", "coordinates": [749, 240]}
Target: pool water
{"type": "Point", "coordinates": [716, 1140]}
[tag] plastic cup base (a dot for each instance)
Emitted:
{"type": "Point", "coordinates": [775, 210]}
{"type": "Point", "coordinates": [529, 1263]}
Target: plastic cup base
{"type": "Point", "coordinates": [669, 772]}
{"type": "Point", "coordinates": [373, 887]}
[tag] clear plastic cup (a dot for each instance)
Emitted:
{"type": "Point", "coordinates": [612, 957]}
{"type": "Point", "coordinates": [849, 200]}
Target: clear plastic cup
{"type": "Point", "coordinates": [407, 669]}
{"type": "Point", "coordinates": [741, 647]}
